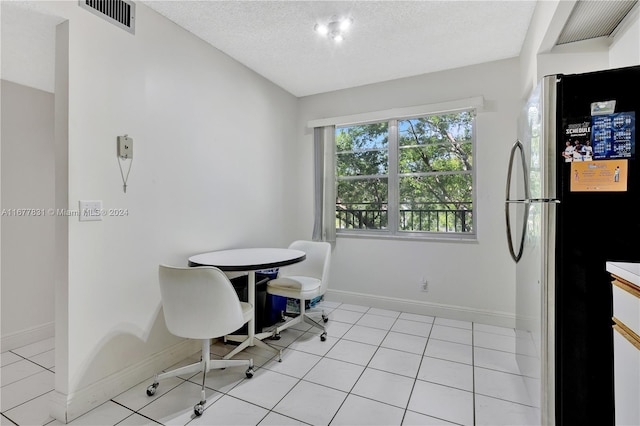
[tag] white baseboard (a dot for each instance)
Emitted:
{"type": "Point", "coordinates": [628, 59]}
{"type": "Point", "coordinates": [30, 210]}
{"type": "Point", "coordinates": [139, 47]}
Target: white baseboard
{"type": "Point", "coordinates": [66, 408]}
{"type": "Point", "coordinates": [28, 336]}
{"type": "Point", "coordinates": [461, 313]}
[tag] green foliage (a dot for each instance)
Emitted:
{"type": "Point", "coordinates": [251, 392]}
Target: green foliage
{"type": "Point", "coordinates": [362, 150]}
{"type": "Point", "coordinates": [435, 163]}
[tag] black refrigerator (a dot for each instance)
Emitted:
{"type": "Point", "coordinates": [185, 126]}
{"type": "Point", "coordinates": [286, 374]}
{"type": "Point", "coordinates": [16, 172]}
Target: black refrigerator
{"type": "Point", "coordinates": [572, 188]}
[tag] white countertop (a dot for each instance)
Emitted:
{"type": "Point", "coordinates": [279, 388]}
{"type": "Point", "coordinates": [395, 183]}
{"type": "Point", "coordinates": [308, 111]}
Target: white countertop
{"type": "Point", "coordinates": [625, 270]}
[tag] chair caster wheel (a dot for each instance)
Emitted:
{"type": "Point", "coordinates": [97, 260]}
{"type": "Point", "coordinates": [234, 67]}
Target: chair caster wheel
{"type": "Point", "coordinates": [325, 318]}
{"type": "Point", "coordinates": [151, 390]}
{"type": "Point", "coordinates": [249, 373]}
{"type": "Point", "coordinates": [198, 409]}
{"type": "Point", "coordinates": [275, 337]}
{"type": "Point", "coordinates": [323, 336]}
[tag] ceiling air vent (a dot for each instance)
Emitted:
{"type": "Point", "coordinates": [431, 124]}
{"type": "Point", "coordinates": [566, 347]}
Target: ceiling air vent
{"type": "Point", "coordinates": [119, 12]}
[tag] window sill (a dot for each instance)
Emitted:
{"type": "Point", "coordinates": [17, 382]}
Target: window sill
{"type": "Point", "coordinates": [413, 237]}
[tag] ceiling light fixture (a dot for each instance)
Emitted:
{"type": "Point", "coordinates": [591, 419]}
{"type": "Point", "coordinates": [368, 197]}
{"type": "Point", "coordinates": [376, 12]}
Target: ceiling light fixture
{"type": "Point", "coordinates": [334, 29]}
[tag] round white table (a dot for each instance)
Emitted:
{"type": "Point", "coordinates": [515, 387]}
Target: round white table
{"type": "Point", "coordinates": [249, 260]}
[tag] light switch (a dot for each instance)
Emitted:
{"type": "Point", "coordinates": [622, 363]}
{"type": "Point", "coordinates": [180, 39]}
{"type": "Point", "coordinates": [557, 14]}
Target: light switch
{"type": "Point", "coordinates": [90, 210]}
{"type": "Point", "coordinates": [125, 146]}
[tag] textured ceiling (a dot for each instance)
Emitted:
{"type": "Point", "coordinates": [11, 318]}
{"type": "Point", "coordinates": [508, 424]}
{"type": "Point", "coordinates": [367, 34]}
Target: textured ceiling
{"type": "Point", "coordinates": [388, 39]}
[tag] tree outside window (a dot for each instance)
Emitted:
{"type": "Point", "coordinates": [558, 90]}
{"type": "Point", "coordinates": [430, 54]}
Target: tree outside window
{"type": "Point", "coordinates": [410, 176]}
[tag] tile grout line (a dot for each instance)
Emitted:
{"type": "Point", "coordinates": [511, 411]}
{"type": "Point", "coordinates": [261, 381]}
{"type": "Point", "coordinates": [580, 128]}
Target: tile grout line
{"type": "Point", "coordinates": [349, 326]}
{"type": "Point", "coordinates": [359, 377]}
{"type": "Point", "coordinates": [422, 357]}
{"type": "Point", "coordinates": [473, 367]}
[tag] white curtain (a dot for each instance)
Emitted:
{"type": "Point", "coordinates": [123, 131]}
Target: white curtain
{"type": "Point", "coordinates": [324, 144]}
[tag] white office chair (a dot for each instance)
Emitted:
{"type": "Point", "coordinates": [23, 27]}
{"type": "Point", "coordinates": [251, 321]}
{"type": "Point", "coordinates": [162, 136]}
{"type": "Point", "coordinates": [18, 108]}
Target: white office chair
{"type": "Point", "coordinates": [304, 281]}
{"type": "Point", "coordinates": [201, 303]}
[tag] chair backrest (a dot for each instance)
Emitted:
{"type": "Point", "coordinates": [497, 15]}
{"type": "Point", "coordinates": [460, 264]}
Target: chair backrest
{"type": "Point", "coordinates": [199, 302]}
{"type": "Point", "coordinates": [316, 264]}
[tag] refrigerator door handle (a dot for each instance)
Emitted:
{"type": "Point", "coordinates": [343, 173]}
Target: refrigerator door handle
{"type": "Point", "coordinates": [544, 200]}
{"type": "Point", "coordinates": [517, 146]}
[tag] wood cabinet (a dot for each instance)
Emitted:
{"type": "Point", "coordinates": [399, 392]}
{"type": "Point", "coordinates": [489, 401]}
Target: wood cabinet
{"type": "Point", "coordinates": [626, 341]}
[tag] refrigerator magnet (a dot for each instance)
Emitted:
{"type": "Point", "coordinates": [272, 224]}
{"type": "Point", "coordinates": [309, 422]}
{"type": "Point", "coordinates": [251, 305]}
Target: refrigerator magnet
{"type": "Point", "coordinates": [599, 176]}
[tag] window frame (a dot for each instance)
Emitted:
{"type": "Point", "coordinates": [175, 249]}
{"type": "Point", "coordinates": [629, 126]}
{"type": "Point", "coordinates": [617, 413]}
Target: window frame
{"type": "Point", "coordinates": [393, 177]}
{"type": "Point", "coordinates": [325, 228]}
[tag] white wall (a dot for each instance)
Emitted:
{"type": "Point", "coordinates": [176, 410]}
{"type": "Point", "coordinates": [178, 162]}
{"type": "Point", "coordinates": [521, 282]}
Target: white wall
{"type": "Point", "coordinates": [212, 146]}
{"type": "Point", "coordinates": [223, 158]}
{"type": "Point", "coordinates": [471, 281]}
{"type": "Point", "coordinates": [575, 58]}
{"type": "Point", "coordinates": [540, 56]}
{"type": "Point", "coordinates": [467, 280]}
{"type": "Point", "coordinates": [27, 240]}
{"type": "Point", "coordinates": [546, 24]}
{"type": "Point", "coordinates": [625, 49]}
{"type": "Point", "coordinates": [27, 38]}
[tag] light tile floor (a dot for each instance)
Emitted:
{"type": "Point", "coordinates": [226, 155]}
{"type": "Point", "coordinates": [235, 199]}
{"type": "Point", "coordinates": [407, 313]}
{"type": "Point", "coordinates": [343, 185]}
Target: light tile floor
{"type": "Point", "coordinates": [377, 367]}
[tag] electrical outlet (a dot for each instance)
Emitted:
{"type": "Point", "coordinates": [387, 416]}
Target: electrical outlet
{"type": "Point", "coordinates": [424, 286]}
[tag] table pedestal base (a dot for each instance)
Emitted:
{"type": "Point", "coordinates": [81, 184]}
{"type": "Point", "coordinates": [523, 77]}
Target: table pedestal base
{"type": "Point", "coordinates": [251, 339]}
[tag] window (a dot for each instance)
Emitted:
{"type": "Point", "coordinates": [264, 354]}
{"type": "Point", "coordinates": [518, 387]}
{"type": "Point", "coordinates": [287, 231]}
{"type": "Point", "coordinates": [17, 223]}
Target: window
{"type": "Point", "coordinates": [411, 177]}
